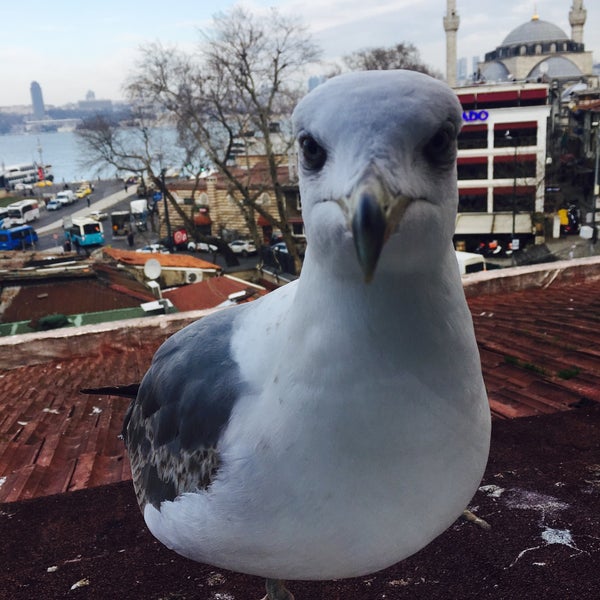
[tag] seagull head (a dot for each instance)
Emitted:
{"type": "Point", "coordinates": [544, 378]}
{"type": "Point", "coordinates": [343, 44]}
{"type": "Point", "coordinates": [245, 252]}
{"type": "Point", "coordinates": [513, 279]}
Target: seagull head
{"type": "Point", "coordinates": [377, 169]}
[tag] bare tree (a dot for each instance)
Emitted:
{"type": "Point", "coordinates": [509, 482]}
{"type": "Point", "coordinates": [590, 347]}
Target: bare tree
{"type": "Point", "coordinates": [401, 56]}
{"type": "Point", "coordinates": [233, 99]}
{"type": "Point", "coordinates": [140, 150]}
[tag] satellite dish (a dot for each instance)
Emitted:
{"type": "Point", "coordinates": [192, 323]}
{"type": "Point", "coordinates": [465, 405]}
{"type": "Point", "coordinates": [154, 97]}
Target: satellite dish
{"type": "Point", "coordinates": [152, 269]}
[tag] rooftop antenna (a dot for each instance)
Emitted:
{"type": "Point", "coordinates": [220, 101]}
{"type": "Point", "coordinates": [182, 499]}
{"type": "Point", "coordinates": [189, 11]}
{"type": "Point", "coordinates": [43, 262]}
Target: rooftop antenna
{"type": "Point", "coordinates": [152, 271]}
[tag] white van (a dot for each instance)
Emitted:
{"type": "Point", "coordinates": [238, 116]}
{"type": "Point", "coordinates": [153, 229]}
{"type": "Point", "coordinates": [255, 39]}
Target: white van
{"type": "Point", "coordinates": [469, 262]}
{"type": "Point", "coordinates": [66, 197]}
{"type": "Point", "coordinates": [23, 212]}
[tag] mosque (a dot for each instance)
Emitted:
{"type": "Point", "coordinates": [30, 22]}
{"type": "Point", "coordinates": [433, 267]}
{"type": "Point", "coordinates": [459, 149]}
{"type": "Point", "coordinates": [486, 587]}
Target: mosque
{"type": "Point", "coordinates": [514, 110]}
{"type": "Point", "coordinates": [534, 51]}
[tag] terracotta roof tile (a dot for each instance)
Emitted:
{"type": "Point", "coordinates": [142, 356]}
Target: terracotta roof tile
{"type": "Point", "coordinates": [166, 260]}
{"type": "Point", "coordinates": [539, 349]}
{"type": "Point", "coordinates": [210, 293]}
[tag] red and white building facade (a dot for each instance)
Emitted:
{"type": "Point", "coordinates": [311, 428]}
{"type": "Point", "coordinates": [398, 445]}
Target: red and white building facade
{"type": "Point", "coordinates": [502, 153]}
{"type": "Point", "coordinates": [502, 148]}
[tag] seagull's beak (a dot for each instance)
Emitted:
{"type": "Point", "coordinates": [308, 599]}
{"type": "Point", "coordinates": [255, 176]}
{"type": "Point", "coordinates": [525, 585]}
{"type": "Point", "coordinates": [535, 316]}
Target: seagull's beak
{"type": "Point", "coordinates": [377, 212]}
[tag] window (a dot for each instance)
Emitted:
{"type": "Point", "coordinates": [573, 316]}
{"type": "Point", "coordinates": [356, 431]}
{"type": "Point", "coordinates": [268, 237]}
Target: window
{"type": "Point", "coordinates": [524, 200]}
{"type": "Point", "coordinates": [472, 201]}
{"type": "Point", "coordinates": [515, 134]}
{"type": "Point", "coordinates": [473, 137]}
{"type": "Point", "coordinates": [264, 199]}
{"type": "Point", "coordinates": [505, 167]}
{"type": "Point", "coordinates": [202, 199]}
{"type": "Point", "coordinates": [472, 168]}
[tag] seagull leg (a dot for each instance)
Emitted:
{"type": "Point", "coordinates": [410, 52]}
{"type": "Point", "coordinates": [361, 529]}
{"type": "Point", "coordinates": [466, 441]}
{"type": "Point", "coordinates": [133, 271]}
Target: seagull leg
{"type": "Point", "coordinates": [473, 518]}
{"type": "Point", "coordinates": [276, 590]}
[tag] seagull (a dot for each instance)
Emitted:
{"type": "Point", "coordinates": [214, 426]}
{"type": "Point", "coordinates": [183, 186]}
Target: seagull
{"type": "Point", "coordinates": [339, 424]}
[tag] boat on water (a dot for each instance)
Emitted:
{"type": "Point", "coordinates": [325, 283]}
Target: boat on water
{"type": "Point", "coordinates": [18, 176]}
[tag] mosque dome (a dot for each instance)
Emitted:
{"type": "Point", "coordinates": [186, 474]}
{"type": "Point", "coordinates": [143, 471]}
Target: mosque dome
{"type": "Point", "coordinates": [556, 67]}
{"type": "Point", "coordinates": [535, 31]}
{"type": "Point", "coordinates": [495, 71]}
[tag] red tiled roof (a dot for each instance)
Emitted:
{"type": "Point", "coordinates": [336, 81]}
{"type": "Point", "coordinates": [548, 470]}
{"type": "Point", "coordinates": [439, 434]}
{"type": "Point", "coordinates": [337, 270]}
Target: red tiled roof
{"type": "Point", "coordinates": [255, 176]}
{"type": "Point", "coordinates": [210, 293]}
{"type": "Point", "coordinates": [68, 297]}
{"type": "Point", "coordinates": [539, 347]}
{"type": "Point", "coordinates": [183, 261]}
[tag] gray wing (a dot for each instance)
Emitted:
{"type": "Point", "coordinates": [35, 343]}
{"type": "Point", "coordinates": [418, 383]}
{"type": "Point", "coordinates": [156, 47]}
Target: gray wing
{"type": "Point", "coordinates": [185, 400]}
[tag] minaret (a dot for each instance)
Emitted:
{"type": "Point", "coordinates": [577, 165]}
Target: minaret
{"type": "Point", "coordinates": [577, 17]}
{"type": "Point", "coordinates": [451, 23]}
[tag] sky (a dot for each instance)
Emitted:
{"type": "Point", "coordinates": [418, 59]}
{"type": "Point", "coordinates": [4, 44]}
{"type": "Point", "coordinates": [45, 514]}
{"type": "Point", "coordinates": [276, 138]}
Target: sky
{"type": "Point", "coordinates": [70, 47]}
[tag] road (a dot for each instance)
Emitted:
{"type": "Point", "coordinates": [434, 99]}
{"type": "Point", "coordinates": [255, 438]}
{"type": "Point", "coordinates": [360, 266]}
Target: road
{"type": "Point", "coordinates": [107, 196]}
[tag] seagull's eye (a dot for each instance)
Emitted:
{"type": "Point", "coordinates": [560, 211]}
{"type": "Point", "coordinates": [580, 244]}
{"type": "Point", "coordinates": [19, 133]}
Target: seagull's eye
{"type": "Point", "coordinates": [440, 149]}
{"type": "Point", "coordinates": [313, 154]}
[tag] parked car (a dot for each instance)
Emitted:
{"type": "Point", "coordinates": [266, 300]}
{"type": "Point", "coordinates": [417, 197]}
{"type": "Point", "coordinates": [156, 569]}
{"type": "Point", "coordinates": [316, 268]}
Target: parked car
{"type": "Point", "coordinates": [66, 197]}
{"type": "Point", "coordinates": [201, 247]}
{"type": "Point", "coordinates": [98, 215]}
{"type": "Point", "coordinates": [243, 247]}
{"type": "Point", "coordinates": [54, 204]}
{"type": "Point", "coordinates": [23, 187]}
{"type": "Point", "coordinates": [83, 191]}
{"type": "Point", "coordinates": [280, 247]}
{"type": "Point", "coordinates": [154, 248]}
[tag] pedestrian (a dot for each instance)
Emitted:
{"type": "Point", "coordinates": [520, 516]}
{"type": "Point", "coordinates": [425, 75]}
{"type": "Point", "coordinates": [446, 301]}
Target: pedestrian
{"type": "Point", "coordinates": [88, 200]}
{"type": "Point", "coordinates": [130, 239]}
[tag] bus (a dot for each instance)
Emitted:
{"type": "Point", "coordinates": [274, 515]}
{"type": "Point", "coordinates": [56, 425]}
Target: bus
{"type": "Point", "coordinates": [18, 238]}
{"type": "Point", "coordinates": [83, 233]}
{"type": "Point", "coordinates": [23, 211]}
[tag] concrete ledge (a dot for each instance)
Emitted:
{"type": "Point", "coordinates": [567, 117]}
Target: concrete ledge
{"type": "Point", "coordinates": [60, 344]}
{"type": "Point", "coordinates": [544, 275]}
{"type": "Point", "coordinates": [88, 340]}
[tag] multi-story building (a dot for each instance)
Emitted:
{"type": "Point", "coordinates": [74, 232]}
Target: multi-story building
{"type": "Point", "coordinates": [501, 160]}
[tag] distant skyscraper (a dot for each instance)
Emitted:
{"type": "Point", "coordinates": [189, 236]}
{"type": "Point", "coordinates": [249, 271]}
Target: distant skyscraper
{"type": "Point", "coordinates": [461, 70]}
{"type": "Point", "coordinates": [475, 67]}
{"type": "Point", "coordinates": [37, 100]}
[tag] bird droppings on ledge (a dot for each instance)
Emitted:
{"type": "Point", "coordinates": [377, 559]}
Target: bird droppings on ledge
{"type": "Point", "coordinates": [92, 532]}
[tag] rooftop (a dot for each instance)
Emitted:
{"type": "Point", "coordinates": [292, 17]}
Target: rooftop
{"type": "Point", "coordinates": [536, 329]}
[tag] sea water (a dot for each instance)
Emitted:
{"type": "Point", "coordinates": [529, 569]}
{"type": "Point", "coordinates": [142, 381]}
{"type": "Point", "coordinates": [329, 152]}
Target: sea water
{"type": "Point", "coordinates": [59, 149]}
{"type": "Point", "coordinates": [63, 151]}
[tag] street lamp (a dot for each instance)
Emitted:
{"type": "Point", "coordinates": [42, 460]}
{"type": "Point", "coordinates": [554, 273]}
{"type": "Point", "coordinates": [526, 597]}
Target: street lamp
{"type": "Point", "coordinates": [514, 241]}
{"type": "Point", "coordinates": [596, 191]}
{"type": "Point", "coordinates": [164, 195]}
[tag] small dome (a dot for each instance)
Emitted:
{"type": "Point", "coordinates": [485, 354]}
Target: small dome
{"type": "Point", "coordinates": [534, 31]}
{"type": "Point", "coordinates": [556, 67]}
{"type": "Point", "coordinates": [495, 71]}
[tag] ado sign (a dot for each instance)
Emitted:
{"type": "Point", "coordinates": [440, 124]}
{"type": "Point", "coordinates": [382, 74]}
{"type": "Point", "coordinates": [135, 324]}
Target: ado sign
{"type": "Point", "coordinates": [475, 115]}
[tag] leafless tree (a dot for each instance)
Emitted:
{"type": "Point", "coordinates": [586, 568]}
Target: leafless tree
{"type": "Point", "coordinates": [140, 149]}
{"type": "Point", "coordinates": [401, 56]}
{"type": "Point", "coordinates": [233, 98]}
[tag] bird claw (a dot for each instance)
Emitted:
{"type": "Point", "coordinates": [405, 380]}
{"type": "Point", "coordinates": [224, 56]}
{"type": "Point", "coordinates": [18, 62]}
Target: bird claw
{"type": "Point", "coordinates": [276, 590]}
{"type": "Point", "coordinates": [467, 515]}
